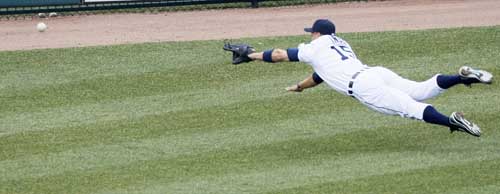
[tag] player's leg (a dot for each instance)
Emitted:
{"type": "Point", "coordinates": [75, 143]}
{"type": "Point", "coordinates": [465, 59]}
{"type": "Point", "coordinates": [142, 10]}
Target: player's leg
{"type": "Point", "coordinates": [456, 121]}
{"type": "Point", "coordinates": [434, 86]}
{"type": "Point", "coordinates": [371, 91]}
{"type": "Point", "coordinates": [387, 100]}
{"type": "Point", "coordinates": [467, 76]}
{"type": "Point", "coordinates": [419, 91]}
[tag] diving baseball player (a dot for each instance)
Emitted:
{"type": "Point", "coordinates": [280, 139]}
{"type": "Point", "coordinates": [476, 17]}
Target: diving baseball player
{"type": "Point", "coordinates": [335, 63]}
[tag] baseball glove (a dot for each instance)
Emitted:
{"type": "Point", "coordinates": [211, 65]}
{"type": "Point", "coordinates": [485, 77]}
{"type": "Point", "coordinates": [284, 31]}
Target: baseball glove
{"type": "Point", "coordinates": [240, 52]}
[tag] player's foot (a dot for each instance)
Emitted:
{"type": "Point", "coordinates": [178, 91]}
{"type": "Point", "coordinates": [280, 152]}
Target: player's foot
{"type": "Point", "coordinates": [476, 75]}
{"type": "Point", "coordinates": [461, 124]}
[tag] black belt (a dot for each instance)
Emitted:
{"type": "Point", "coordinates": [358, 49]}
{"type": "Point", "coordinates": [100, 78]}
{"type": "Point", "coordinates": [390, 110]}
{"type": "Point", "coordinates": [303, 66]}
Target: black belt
{"type": "Point", "coordinates": [351, 83]}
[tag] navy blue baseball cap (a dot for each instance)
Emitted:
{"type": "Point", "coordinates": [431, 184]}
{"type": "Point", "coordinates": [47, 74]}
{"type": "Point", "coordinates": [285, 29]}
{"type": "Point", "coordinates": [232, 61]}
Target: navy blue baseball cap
{"type": "Point", "coordinates": [323, 26]}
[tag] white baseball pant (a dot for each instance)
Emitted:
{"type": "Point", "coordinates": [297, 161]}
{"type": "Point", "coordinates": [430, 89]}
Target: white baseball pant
{"type": "Point", "coordinates": [385, 91]}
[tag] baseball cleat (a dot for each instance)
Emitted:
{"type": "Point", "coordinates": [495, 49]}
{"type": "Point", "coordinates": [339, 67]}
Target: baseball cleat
{"type": "Point", "coordinates": [461, 124]}
{"type": "Point", "coordinates": [482, 76]}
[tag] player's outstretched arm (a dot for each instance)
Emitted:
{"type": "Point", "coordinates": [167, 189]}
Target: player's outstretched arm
{"type": "Point", "coordinates": [273, 55]}
{"type": "Point", "coordinates": [243, 53]}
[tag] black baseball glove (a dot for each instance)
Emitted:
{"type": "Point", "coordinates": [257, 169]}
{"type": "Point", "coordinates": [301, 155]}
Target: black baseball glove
{"type": "Point", "coordinates": [240, 52]}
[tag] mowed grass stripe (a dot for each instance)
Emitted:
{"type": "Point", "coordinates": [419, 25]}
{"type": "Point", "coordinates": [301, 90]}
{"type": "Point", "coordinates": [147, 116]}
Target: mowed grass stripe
{"type": "Point", "coordinates": [303, 161]}
{"type": "Point", "coordinates": [24, 70]}
{"type": "Point", "coordinates": [171, 146]}
{"type": "Point", "coordinates": [43, 79]}
{"type": "Point", "coordinates": [219, 117]}
{"type": "Point", "coordinates": [124, 86]}
{"type": "Point", "coordinates": [236, 158]}
{"type": "Point", "coordinates": [430, 47]}
{"type": "Point", "coordinates": [466, 177]}
{"type": "Point", "coordinates": [168, 123]}
{"type": "Point", "coordinates": [308, 172]}
{"type": "Point", "coordinates": [172, 122]}
{"type": "Point", "coordinates": [71, 116]}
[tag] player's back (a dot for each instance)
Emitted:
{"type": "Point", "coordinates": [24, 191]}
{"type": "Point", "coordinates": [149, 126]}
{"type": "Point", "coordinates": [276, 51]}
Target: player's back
{"type": "Point", "coordinates": [333, 59]}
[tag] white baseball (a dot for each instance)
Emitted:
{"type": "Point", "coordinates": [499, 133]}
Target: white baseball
{"type": "Point", "coordinates": [41, 27]}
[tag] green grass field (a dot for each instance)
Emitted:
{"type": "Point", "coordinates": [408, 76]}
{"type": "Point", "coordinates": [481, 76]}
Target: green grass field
{"type": "Point", "coordinates": [177, 117]}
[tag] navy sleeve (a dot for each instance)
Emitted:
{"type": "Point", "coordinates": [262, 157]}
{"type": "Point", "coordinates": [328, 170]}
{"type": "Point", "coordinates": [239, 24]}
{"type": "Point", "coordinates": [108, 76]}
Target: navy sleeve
{"type": "Point", "coordinates": [293, 54]}
{"type": "Point", "coordinates": [316, 78]}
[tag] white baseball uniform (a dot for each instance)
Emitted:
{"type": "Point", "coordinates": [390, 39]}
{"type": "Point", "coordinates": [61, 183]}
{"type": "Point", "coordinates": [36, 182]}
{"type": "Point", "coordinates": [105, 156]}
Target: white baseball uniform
{"type": "Point", "coordinates": [376, 87]}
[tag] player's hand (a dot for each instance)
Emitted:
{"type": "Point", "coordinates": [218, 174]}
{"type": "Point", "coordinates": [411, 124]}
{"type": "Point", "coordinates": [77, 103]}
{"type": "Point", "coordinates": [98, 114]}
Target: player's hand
{"type": "Point", "coordinates": [294, 88]}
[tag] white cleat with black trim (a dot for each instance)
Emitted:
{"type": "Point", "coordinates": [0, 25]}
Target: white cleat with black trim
{"type": "Point", "coordinates": [482, 76]}
{"type": "Point", "coordinates": [461, 124]}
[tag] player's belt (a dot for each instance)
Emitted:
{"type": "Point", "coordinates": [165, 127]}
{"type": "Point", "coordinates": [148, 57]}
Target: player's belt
{"type": "Point", "coordinates": [351, 83]}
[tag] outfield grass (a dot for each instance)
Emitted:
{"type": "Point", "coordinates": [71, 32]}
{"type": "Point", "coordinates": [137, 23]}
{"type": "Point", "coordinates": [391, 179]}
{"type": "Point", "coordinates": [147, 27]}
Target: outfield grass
{"type": "Point", "coordinates": [177, 117]}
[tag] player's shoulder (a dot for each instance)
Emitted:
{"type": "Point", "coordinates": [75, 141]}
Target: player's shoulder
{"type": "Point", "coordinates": [324, 38]}
{"type": "Point", "coordinates": [329, 39]}
{"type": "Point", "coordinates": [338, 39]}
